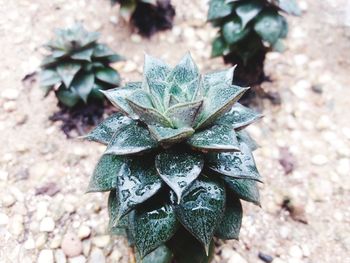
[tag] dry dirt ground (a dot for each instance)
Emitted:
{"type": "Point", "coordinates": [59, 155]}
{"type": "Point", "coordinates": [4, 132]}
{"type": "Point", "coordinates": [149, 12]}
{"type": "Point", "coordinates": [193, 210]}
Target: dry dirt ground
{"type": "Point", "coordinates": [312, 125]}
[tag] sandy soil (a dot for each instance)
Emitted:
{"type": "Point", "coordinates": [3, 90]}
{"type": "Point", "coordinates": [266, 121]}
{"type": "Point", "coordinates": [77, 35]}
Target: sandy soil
{"type": "Point", "coordinates": [312, 123]}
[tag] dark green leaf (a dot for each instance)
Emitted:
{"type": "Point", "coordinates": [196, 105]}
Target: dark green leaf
{"type": "Point", "coordinates": [104, 131]}
{"type": "Point", "coordinates": [83, 84]}
{"type": "Point", "coordinates": [215, 138]}
{"type": "Point", "coordinates": [269, 26]}
{"type": "Point", "coordinates": [68, 97]}
{"type": "Point", "coordinates": [108, 75]}
{"type": "Point", "coordinates": [184, 114]}
{"type": "Point", "coordinates": [161, 254]}
{"type": "Point", "coordinates": [219, 47]}
{"type": "Point", "coordinates": [49, 77]}
{"type": "Point", "coordinates": [67, 71]}
{"type": "Point", "coordinates": [136, 184]}
{"type": "Point", "coordinates": [290, 7]}
{"type": "Point", "coordinates": [244, 188]}
{"type": "Point", "coordinates": [239, 117]}
{"type": "Point", "coordinates": [235, 164]}
{"type": "Point", "coordinates": [83, 54]}
{"type": "Point", "coordinates": [248, 10]}
{"type": "Point", "coordinates": [104, 52]}
{"type": "Point", "coordinates": [218, 9]}
{"type": "Point", "coordinates": [230, 224]}
{"type": "Point", "coordinates": [114, 223]}
{"type": "Point", "coordinates": [201, 209]}
{"type": "Point", "coordinates": [131, 139]}
{"type": "Point", "coordinates": [105, 174]}
{"type": "Point", "coordinates": [233, 31]}
{"type": "Point", "coordinates": [179, 169]}
{"type": "Point", "coordinates": [153, 226]}
{"type": "Point", "coordinates": [168, 136]}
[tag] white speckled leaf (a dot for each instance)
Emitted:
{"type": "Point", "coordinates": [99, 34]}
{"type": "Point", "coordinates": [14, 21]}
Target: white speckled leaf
{"type": "Point", "coordinates": [105, 174]}
{"type": "Point", "coordinates": [168, 136]}
{"type": "Point", "coordinates": [235, 164]}
{"type": "Point", "coordinates": [244, 188]}
{"type": "Point", "coordinates": [153, 226]}
{"type": "Point", "coordinates": [243, 136]}
{"type": "Point", "coordinates": [202, 208]}
{"type": "Point", "coordinates": [179, 169]}
{"type": "Point", "coordinates": [154, 69]}
{"type": "Point", "coordinates": [230, 224]}
{"type": "Point", "coordinates": [104, 131]}
{"type": "Point", "coordinates": [215, 138]}
{"type": "Point", "coordinates": [184, 114]}
{"type": "Point", "coordinates": [185, 71]}
{"type": "Point", "coordinates": [131, 139]}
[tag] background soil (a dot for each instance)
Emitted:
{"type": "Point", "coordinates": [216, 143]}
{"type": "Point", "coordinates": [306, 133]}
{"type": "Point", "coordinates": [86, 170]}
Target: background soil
{"type": "Point", "coordinates": [44, 212]}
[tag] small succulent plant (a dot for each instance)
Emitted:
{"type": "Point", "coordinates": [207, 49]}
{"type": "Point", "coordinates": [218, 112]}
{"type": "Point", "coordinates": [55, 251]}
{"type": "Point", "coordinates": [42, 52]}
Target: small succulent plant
{"type": "Point", "coordinates": [148, 16]}
{"type": "Point", "coordinates": [77, 67]}
{"type": "Point", "coordinates": [178, 161]}
{"type": "Point", "coordinates": [248, 29]}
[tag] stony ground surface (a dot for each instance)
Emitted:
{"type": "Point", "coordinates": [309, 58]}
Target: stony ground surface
{"type": "Point", "coordinates": [46, 217]}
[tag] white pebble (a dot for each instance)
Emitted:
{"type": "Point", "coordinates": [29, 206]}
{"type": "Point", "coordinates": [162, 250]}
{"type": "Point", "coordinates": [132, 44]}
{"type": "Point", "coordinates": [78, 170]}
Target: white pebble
{"type": "Point", "coordinates": [10, 94]}
{"type": "Point", "coordinates": [4, 219]}
{"type": "Point", "coordinates": [45, 256]}
{"type": "Point", "coordinates": [319, 160]}
{"type": "Point", "coordinates": [101, 241]}
{"type": "Point", "coordinates": [71, 245]}
{"type": "Point", "coordinates": [47, 225]}
{"type": "Point", "coordinates": [84, 232]}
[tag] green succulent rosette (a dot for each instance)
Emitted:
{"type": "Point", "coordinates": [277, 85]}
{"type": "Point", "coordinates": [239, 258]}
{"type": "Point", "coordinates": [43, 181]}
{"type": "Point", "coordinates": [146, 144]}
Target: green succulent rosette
{"type": "Point", "coordinates": [249, 26]}
{"type": "Point", "coordinates": [178, 160]}
{"type": "Point", "coordinates": [77, 66]}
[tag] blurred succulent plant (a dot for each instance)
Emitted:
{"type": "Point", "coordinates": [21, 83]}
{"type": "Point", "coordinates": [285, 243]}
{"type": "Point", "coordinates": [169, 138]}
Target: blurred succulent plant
{"type": "Point", "coordinates": [148, 16]}
{"type": "Point", "coordinates": [248, 29]}
{"type": "Point", "coordinates": [178, 161]}
{"type": "Point", "coordinates": [78, 67]}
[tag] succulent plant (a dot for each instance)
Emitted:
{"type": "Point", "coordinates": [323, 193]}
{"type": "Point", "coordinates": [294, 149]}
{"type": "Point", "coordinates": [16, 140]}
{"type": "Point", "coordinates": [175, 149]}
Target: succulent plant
{"type": "Point", "coordinates": [77, 67]}
{"type": "Point", "coordinates": [178, 161]}
{"type": "Point", "coordinates": [148, 16]}
{"type": "Point", "coordinates": [248, 29]}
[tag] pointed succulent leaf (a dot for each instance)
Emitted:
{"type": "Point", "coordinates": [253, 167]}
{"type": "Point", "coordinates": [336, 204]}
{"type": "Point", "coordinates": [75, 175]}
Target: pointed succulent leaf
{"type": "Point", "coordinates": [167, 136]}
{"type": "Point", "coordinates": [184, 114]}
{"type": "Point", "coordinates": [67, 71]}
{"type": "Point", "coordinates": [103, 51]}
{"type": "Point", "coordinates": [235, 164]}
{"type": "Point", "coordinates": [49, 77]}
{"type": "Point", "coordinates": [161, 254]}
{"type": "Point", "coordinates": [290, 7]}
{"type": "Point", "coordinates": [105, 174]}
{"type": "Point", "coordinates": [141, 103]}
{"type": "Point", "coordinates": [218, 9]}
{"type": "Point", "coordinates": [230, 224]}
{"type": "Point", "coordinates": [215, 138]}
{"type": "Point", "coordinates": [68, 97]}
{"type": "Point", "coordinates": [118, 96]}
{"type": "Point", "coordinates": [201, 209]}
{"type": "Point", "coordinates": [48, 61]}
{"type": "Point", "coordinates": [269, 26]}
{"type": "Point", "coordinates": [155, 69]}
{"type": "Point", "coordinates": [244, 137]}
{"type": "Point", "coordinates": [103, 133]}
{"type": "Point", "coordinates": [112, 207]}
{"type": "Point", "coordinates": [185, 71]}
{"type": "Point", "coordinates": [248, 10]}
{"type": "Point", "coordinates": [217, 78]}
{"type": "Point", "coordinates": [239, 117]}
{"type": "Point", "coordinates": [219, 47]}
{"type": "Point", "coordinates": [153, 226]}
{"type": "Point", "coordinates": [219, 99]}
{"type": "Point", "coordinates": [131, 139]}
{"type": "Point", "coordinates": [108, 75]}
{"type": "Point", "coordinates": [136, 184]}
{"type": "Point", "coordinates": [245, 189]}
{"type": "Point", "coordinates": [83, 54]}
{"type": "Point", "coordinates": [158, 90]}
{"type": "Point", "coordinates": [83, 84]}
{"type": "Point", "coordinates": [179, 169]}
{"type": "Point", "coordinates": [233, 31]}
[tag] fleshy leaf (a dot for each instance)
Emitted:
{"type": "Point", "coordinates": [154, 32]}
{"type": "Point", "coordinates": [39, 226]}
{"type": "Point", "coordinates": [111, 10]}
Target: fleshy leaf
{"type": "Point", "coordinates": [67, 96]}
{"type": "Point", "coordinates": [179, 169]}
{"type": "Point", "coordinates": [218, 9]}
{"type": "Point", "coordinates": [136, 184]}
{"type": "Point", "coordinates": [184, 114]}
{"type": "Point", "coordinates": [153, 226]}
{"type": "Point", "coordinates": [243, 136]}
{"type": "Point", "coordinates": [105, 174]}
{"type": "Point", "coordinates": [108, 75]}
{"type": "Point", "coordinates": [117, 97]}
{"type": "Point", "coordinates": [248, 10]}
{"type": "Point", "coordinates": [141, 103]}
{"type": "Point", "coordinates": [83, 84]}
{"type": "Point", "coordinates": [161, 254]}
{"type": "Point", "coordinates": [67, 71]}
{"type": "Point", "coordinates": [231, 222]}
{"type": "Point", "coordinates": [245, 189]}
{"type": "Point", "coordinates": [235, 164]}
{"type": "Point", "coordinates": [215, 138]}
{"type": "Point", "coordinates": [104, 52]}
{"type": "Point", "coordinates": [83, 54]}
{"type": "Point", "coordinates": [219, 47]}
{"type": "Point", "coordinates": [217, 78]}
{"type": "Point", "coordinates": [168, 136]}
{"type": "Point", "coordinates": [103, 132]}
{"type": "Point", "coordinates": [233, 31]}
{"type": "Point", "coordinates": [269, 26]}
{"type": "Point", "coordinates": [201, 209]}
{"type": "Point", "coordinates": [239, 117]}
{"type": "Point", "coordinates": [185, 71]}
{"type": "Point", "coordinates": [131, 139]}
{"type": "Point", "coordinates": [289, 6]}
{"type": "Point", "coordinates": [49, 77]}
{"type": "Point", "coordinates": [154, 69]}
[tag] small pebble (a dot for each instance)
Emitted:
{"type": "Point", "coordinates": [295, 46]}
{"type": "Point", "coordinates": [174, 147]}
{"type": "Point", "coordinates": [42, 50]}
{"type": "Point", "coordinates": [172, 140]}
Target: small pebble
{"type": "Point", "coordinates": [84, 232]}
{"type": "Point", "coordinates": [265, 257]}
{"type": "Point", "coordinates": [97, 256]}
{"type": "Point", "coordinates": [101, 241]}
{"type": "Point", "coordinates": [78, 259]}
{"type": "Point", "coordinates": [47, 225]}
{"type": "Point", "coordinates": [71, 245]}
{"type": "Point", "coordinates": [8, 200]}
{"type": "Point", "coordinates": [319, 160]}
{"type": "Point", "coordinates": [60, 257]}
{"type": "Point", "coordinates": [45, 256]}
{"type": "Point", "coordinates": [10, 94]}
{"type": "Point", "coordinates": [232, 256]}
{"type": "Point", "coordinates": [296, 252]}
